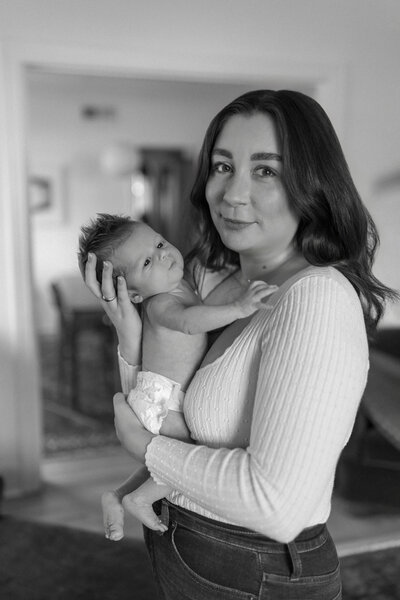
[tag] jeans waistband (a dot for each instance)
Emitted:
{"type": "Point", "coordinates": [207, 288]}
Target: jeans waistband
{"type": "Point", "coordinates": [309, 539]}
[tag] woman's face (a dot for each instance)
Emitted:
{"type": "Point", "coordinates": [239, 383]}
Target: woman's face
{"type": "Point", "coordinates": [245, 191]}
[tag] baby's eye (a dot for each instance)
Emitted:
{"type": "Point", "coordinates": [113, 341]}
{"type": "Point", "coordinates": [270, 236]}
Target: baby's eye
{"type": "Point", "coordinates": [221, 167]}
{"type": "Point", "coordinates": [147, 262]}
{"type": "Point", "coordinates": [160, 244]}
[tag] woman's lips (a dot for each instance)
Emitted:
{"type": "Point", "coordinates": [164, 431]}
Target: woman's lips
{"type": "Point", "coordinates": [236, 224]}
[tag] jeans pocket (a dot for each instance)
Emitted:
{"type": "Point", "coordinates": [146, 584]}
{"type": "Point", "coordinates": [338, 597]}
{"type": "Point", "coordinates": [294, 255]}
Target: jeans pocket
{"type": "Point", "coordinates": [201, 587]}
{"type": "Point", "coordinates": [319, 587]}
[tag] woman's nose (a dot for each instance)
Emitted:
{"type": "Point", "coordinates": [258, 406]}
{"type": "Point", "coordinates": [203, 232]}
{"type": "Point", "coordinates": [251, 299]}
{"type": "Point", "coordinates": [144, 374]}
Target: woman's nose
{"type": "Point", "coordinates": [237, 190]}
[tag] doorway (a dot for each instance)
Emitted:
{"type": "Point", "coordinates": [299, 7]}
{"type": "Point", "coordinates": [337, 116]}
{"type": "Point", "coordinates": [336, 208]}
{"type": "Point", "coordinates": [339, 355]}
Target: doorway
{"type": "Point", "coordinates": [73, 121]}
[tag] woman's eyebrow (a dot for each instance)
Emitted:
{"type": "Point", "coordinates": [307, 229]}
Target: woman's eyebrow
{"type": "Point", "coordinates": [265, 156]}
{"type": "Point", "coordinates": [222, 152]}
{"type": "Point", "coordinates": [255, 156]}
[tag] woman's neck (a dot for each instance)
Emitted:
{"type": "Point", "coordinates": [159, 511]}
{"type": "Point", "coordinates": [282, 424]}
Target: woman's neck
{"type": "Point", "coordinates": [273, 270]}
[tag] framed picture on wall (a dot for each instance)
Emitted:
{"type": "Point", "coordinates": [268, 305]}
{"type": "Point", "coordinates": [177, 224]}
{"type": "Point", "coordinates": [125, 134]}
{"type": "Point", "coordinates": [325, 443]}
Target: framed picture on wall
{"type": "Point", "coordinates": [46, 194]}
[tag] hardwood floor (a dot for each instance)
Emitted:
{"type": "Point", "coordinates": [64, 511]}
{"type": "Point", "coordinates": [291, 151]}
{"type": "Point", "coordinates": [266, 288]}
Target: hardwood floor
{"type": "Point", "coordinates": [72, 488]}
{"type": "Point", "coordinates": [71, 497]}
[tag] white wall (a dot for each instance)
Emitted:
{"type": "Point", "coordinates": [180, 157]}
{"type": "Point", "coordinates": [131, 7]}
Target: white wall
{"type": "Point", "coordinates": [359, 37]}
{"type": "Point", "coordinates": [362, 35]}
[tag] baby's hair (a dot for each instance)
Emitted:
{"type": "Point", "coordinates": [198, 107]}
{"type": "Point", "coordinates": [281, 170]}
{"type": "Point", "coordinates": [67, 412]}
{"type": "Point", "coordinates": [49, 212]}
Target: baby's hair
{"type": "Point", "coordinates": [102, 236]}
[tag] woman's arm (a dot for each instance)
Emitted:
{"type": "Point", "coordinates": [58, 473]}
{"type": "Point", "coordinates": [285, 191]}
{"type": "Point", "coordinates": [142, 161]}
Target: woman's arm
{"type": "Point", "coordinates": [312, 374]}
{"type": "Point", "coordinates": [128, 373]}
{"type": "Point", "coordinates": [130, 432]}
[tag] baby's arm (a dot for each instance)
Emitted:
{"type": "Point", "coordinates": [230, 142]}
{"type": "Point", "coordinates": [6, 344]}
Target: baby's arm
{"type": "Point", "coordinates": [170, 312]}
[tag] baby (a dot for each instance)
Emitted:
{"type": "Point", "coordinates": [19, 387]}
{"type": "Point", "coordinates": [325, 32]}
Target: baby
{"type": "Point", "coordinates": [175, 326]}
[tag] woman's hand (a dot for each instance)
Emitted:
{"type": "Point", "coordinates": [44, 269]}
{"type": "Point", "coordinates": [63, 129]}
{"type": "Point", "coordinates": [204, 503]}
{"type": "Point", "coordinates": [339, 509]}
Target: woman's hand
{"type": "Point", "coordinates": [130, 432]}
{"type": "Point", "coordinates": [118, 308]}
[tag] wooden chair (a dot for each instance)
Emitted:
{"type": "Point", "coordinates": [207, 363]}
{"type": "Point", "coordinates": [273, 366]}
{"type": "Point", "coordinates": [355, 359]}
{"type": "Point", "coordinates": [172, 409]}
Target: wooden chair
{"type": "Point", "coordinates": [79, 311]}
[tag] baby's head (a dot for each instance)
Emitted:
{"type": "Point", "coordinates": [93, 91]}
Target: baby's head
{"type": "Point", "coordinates": [149, 263]}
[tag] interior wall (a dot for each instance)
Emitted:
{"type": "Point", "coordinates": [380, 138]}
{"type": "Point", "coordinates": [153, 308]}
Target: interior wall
{"type": "Point", "coordinates": [362, 35]}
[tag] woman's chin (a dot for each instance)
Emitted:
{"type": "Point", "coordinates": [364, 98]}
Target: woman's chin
{"type": "Point", "coordinates": [238, 241]}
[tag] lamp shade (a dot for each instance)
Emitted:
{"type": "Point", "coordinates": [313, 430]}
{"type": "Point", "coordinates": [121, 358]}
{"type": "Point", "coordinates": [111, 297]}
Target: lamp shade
{"type": "Point", "coordinates": [120, 159]}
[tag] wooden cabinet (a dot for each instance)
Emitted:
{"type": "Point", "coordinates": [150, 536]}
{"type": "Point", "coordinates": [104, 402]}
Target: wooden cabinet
{"type": "Point", "coordinates": [170, 173]}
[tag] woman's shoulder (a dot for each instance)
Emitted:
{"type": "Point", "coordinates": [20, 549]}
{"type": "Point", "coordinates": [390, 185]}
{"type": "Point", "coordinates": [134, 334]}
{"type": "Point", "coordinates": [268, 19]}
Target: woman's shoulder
{"type": "Point", "coordinates": [321, 284]}
{"type": "Point", "coordinates": [320, 276]}
{"type": "Point", "coordinates": [314, 300]}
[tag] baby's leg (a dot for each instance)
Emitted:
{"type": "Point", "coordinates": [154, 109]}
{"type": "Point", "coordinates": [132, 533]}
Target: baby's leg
{"type": "Point", "coordinates": [113, 515]}
{"type": "Point", "coordinates": [174, 426]}
{"type": "Point", "coordinates": [111, 503]}
{"type": "Point", "coordinates": [139, 503]}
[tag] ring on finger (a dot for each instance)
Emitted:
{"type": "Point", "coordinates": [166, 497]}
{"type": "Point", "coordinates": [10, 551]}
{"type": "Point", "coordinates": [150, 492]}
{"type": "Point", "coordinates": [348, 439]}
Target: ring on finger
{"type": "Point", "coordinates": [109, 299]}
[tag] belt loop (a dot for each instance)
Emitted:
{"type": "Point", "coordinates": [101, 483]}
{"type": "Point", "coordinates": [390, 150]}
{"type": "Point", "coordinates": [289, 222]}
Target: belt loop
{"type": "Point", "coordinates": [164, 517]}
{"type": "Point", "coordinates": [296, 561]}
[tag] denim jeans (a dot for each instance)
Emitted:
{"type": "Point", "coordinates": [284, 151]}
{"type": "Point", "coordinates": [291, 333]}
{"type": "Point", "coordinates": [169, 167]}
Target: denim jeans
{"type": "Point", "coordinates": [202, 559]}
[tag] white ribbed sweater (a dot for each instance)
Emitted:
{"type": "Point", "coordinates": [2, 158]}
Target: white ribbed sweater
{"type": "Point", "coordinates": [272, 414]}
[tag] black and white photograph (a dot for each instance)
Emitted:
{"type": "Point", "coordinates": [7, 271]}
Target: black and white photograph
{"type": "Point", "coordinates": [200, 300]}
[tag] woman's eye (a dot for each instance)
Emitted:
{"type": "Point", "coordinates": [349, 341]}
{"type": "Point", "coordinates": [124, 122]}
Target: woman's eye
{"type": "Point", "coordinates": [221, 167]}
{"type": "Point", "coordinates": [263, 171]}
{"type": "Point", "coordinates": [147, 262]}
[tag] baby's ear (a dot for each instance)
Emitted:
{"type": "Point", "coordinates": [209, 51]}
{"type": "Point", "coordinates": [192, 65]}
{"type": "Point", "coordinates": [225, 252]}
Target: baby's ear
{"type": "Point", "coordinates": [135, 297]}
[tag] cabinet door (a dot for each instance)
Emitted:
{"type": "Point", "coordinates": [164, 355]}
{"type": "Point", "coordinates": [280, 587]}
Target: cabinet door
{"type": "Point", "coordinates": [170, 174]}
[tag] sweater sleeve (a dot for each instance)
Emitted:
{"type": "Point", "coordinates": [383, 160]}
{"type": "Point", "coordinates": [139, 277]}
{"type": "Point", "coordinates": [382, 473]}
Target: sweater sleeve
{"type": "Point", "coordinates": [128, 374]}
{"type": "Point", "coordinates": [312, 373]}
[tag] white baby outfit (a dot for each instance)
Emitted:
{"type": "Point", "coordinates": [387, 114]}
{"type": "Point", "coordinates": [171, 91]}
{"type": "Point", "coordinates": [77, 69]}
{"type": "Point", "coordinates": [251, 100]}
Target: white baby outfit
{"type": "Point", "coordinates": [152, 397]}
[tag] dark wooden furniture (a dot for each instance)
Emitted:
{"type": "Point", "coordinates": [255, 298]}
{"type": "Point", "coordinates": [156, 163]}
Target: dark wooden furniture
{"type": "Point", "coordinates": [80, 311]}
{"type": "Point", "coordinates": [369, 468]}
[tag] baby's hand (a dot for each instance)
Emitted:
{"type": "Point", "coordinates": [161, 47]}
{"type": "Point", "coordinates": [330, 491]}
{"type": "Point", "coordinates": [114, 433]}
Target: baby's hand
{"type": "Point", "coordinates": [252, 299]}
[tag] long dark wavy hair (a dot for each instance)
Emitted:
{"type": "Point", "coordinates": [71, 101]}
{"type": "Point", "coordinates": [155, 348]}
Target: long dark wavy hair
{"type": "Point", "coordinates": [335, 228]}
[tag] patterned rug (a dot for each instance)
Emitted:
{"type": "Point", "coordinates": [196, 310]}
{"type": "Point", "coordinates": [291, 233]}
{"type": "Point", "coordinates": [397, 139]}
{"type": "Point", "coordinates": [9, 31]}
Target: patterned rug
{"type": "Point", "coordinates": [45, 562]}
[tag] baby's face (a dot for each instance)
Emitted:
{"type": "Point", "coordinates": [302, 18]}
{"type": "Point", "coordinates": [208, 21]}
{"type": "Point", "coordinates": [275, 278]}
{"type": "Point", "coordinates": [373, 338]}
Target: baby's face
{"type": "Point", "coordinates": [152, 265]}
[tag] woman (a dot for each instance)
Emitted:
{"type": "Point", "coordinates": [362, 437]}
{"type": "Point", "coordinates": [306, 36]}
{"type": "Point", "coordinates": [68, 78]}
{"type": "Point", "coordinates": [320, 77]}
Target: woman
{"type": "Point", "coordinates": [275, 400]}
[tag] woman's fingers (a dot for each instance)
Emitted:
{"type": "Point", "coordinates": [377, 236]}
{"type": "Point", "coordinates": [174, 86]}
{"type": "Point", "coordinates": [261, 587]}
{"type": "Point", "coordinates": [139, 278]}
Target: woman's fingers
{"type": "Point", "coordinates": [91, 277]}
{"type": "Point", "coordinates": [262, 284]}
{"type": "Point", "coordinates": [107, 287]}
{"type": "Point", "coordinates": [122, 289]}
{"type": "Point", "coordinates": [120, 402]}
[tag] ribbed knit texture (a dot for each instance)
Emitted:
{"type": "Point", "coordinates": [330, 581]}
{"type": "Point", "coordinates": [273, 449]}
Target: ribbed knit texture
{"type": "Point", "coordinates": [272, 414]}
{"type": "Point", "coordinates": [128, 373]}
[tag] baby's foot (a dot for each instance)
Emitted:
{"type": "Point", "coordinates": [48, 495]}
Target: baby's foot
{"type": "Point", "coordinates": [113, 516]}
{"type": "Point", "coordinates": [140, 508]}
